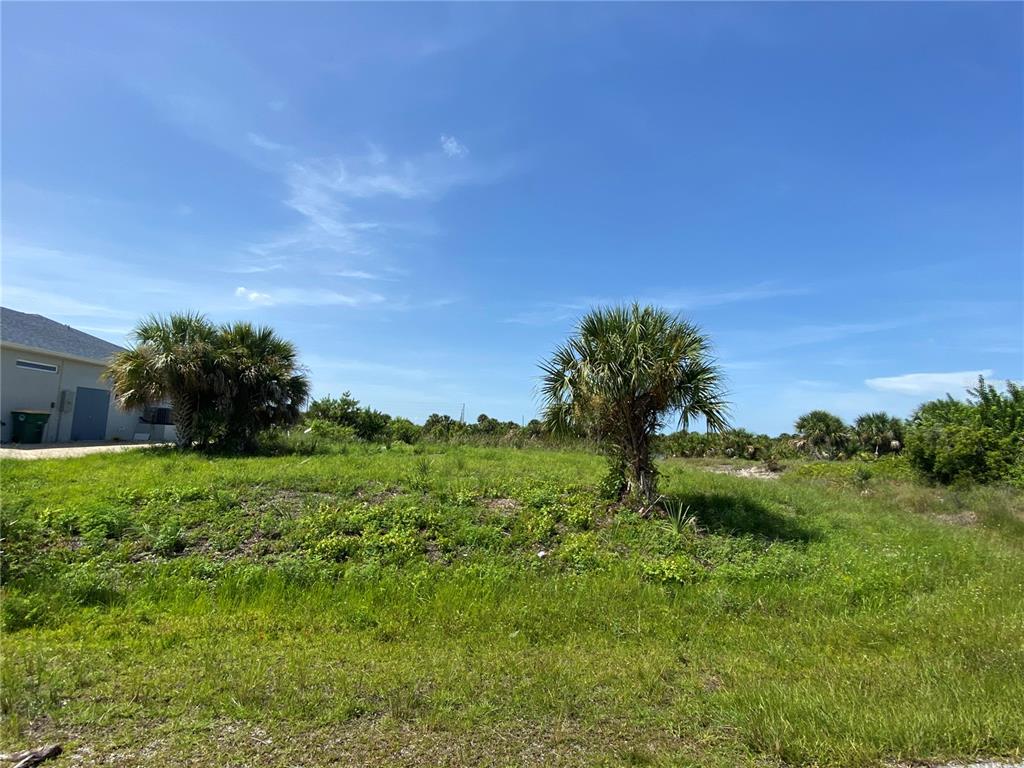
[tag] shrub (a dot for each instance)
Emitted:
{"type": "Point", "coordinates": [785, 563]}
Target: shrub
{"type": "Point", "coordinates": [405, 431]}
{"type": "Point", "coordinates": [170, 539]}
{"type": "Point", "coordinates": [282, 442]}
{"type": "Point", "coordinates": [371, 425]}
{"type": "Point", "coordinates": [981, 440]}
{"type": "Point", "coordinates": [19, 611]}
{"type": "Point", "coordinates": [329, 430]}
{"type": "Point", "coordinates": [367, 424]}
{"type": "Point", "coordinates": [734, 443]}
{"type": "Point", "coordinates": [341, 410]}
{"type": "Point", "coordinates": [674, 569]}
{"type": "Point", "coordinates": [582, 552]}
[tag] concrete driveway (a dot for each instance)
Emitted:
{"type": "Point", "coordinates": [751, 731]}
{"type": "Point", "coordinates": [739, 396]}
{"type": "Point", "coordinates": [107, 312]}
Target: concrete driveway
{"type": "Point", "coordinates": [67, 450]}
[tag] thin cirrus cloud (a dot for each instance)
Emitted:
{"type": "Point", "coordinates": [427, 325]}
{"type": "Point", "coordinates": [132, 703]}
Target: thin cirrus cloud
{"type": "Point", "coordinates": [262, 142]}
{"type": "Point", "coordinates": [341, 199]}
{"type": "Point", "coordinates": [758, 292]}
{"type": "Point", "coordinates": [927, 383]}
{"type": "Point", "coordinates": [309, 298]}
{"type": "Point", "coordinates": [556, 312]}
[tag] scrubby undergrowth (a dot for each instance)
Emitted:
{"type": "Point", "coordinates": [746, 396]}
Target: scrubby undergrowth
{"type": "Point", "coordinates": [475, 606]}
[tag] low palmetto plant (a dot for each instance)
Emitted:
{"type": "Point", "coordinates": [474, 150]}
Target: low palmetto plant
{"type": "Point", "coordinates": [680, 519]}
{"type": "Point", "coordinates": [422, 467]}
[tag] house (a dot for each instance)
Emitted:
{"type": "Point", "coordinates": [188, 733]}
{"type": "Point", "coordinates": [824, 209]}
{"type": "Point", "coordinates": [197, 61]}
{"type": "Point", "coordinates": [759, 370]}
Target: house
{"type": "Point", "coordinates": [49, 366]}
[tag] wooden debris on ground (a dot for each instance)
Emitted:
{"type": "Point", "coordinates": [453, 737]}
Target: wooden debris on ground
{"type": "Point", "coordinates": [31, 757]}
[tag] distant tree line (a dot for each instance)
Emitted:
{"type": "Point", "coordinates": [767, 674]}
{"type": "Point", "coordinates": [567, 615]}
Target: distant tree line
{"type": "Point", "coordinates": [613, 385]}
{"type": "Point", "coordinates": [342, 419]}
{"type": "Point", "coordinates": [980, 439]}
{"type": "Point", "coordinates": [819, 435]}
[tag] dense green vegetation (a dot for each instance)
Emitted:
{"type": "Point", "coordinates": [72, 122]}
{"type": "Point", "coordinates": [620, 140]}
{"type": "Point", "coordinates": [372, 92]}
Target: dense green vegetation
{"type": "Point", "coordinates": [228, 384]}
{"type": "Point", "coordinates": [981, 440]}
{"type": "Point", "coordinates": [438, 605]}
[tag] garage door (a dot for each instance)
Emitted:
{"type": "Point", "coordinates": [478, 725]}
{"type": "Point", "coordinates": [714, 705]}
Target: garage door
{"type": "Point", "coordinates": [91, 408]}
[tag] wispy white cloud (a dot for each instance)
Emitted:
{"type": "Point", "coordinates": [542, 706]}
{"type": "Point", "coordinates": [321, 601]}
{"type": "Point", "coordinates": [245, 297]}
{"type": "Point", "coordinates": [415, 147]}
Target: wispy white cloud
{"type": "Point", "coordinates": [757, 292]}
{"type": "Point", "coordinates": [277, 297]}
{"type": "Point", "coordinates": [453, 147]}
{"type": "Point", "coordinates": [257, 140]}
{"type": "Point", "coordinates": [52, 282]}
{"type": "Point", "coordinates": [920, 384]}
{"type": "Point", "coordinates": [779, 338]}
{"type": "Point", "coordinates": [361, 208]}
{"type": "Point", "coordinates": [254, 296]}
{"type": "Point", "coordinates": [333, 180]}
{"type": "Point", "coordinates": [322, 364]}
{"type": "Point", "coordinates": [547, 313]}
{"type": "Point", "coordinates": [55, 305]}
{"type": "Point", "coordinates": [362, 274]}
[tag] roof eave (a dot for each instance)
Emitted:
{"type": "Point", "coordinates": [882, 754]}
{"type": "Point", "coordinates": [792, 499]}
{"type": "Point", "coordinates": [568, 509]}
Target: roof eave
{"type": "Point", "coordinates": [53, 353]}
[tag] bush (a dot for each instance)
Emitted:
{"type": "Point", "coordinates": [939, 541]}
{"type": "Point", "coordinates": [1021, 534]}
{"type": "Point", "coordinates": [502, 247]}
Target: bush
{"type": "Point", "coordinates": [329, 430]}
{"type": "Point", "coordinates": [981, 440]}
{"type": "Point", "coordinates": [405, 431]}
{"type": "Point", "coordinates": [734, 443]}
{"type": "Point", "coordinates": [295, 442]}
{"type": "Point", "coordinates": [675, 569]}
{"type": "Point", "coordinates": [341, 410]}
{"type": "Point", "coordinates": [367, 424]}
{"type": "Point", "coordinates": [19, 611]}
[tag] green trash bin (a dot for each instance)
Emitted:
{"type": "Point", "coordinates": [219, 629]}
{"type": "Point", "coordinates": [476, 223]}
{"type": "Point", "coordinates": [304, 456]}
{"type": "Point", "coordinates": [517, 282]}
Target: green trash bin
{"type": "Point", "coordinates": [28, 426]}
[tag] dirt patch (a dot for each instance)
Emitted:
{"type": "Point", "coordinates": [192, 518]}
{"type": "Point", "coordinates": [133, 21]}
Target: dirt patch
{"type": "Point", "coordinates": [376, 495]}
{"type": "Point", "coordinates": [502, 505]}
{"type": "Point", "coordinates": [965, 518]}
{"type": "Point", "coordinates": [286, 499]}
{"type": "Point", "coordinates": [759, 473]}
{"type": "Point", "coordinates": [69, 451]}
{"type": "Point", "coordinates": [369, 740]}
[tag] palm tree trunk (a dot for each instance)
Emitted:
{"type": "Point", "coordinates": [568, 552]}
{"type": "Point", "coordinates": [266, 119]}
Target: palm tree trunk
{"type": "Point", "coordinates": [184, 420]}
{"type": "Point", "coordinates": [641, 479]}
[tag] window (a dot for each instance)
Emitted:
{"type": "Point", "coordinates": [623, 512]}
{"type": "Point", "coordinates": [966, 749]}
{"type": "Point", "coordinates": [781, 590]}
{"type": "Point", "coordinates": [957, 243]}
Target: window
{"type": "Point", "coordinates": [44, 367]}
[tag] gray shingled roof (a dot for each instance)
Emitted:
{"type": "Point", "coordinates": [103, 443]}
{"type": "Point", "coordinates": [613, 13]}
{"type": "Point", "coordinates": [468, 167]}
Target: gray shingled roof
{"type": "Point", "coordinates": [49, 335]}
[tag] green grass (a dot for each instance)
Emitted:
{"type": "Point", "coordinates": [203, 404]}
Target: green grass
{"type": "Point", "coordinates": [394, 608]}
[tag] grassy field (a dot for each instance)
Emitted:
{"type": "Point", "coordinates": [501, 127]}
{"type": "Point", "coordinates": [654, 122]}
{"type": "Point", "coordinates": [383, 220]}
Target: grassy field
{"type": "Point", "coordinates": [485, 607]}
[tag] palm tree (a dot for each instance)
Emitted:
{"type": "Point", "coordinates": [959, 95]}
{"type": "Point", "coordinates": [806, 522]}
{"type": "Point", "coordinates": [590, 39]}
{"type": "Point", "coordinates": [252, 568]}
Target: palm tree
{"type": "Point", "coordinates": [822, 433]}
{"type": "Point", "coordinates": [172, 359]}
{"type": "Point", "coordinates": [262, 381]}
{"type": "Point", "coordinates": [225, 384]}
{"type": "Point", "coordinates": [879, 432]}
{"type": "Point", "coordinates": [621, 374]}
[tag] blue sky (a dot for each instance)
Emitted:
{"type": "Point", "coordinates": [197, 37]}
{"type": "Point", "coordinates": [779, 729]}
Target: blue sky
{"type": "Point", "coordinates": [424, 197]}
